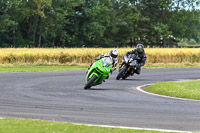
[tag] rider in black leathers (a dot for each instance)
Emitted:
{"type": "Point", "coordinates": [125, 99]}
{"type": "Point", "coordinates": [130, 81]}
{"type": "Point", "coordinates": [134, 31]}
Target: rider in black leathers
{"type": "Point", "coordinates": [140, 55]}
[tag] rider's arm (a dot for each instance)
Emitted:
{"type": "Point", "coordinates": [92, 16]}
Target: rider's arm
{"type": "Point", "coordinates": [102, 56]}
{"type": "Point", "coordinates": [115, 61]}
{"type": "Point", "coordinates": [99, 57]}
{"type": "Point", "coordinates": [106, 55]}
{"type": "Point", "coordinates": [114, 65]}
{"type": "Point", "coordinates": [130, 52]}
{"type": "Point", "coordinates": [143, 60]}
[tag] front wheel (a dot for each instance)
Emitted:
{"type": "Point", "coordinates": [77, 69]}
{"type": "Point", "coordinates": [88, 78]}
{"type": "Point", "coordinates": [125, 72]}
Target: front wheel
{"type": "Point", "coordinates": [120, 74]}
{"type": "Point", "coordinates": [91, 80]}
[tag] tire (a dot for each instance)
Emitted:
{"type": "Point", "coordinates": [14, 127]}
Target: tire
{"type": "Point", "coordinates": [121, 72]}
{"type": "Point", "coordinates": [88, 85]}
{"type": "Point", "coordinates": [123, 77]}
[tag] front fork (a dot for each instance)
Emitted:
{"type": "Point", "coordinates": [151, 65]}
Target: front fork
{"type": "Point", "coordinates": [130, 71]}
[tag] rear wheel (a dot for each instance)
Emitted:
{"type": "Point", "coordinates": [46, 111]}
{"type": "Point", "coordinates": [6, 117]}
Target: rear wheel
{"type": "Point", "coordinates": [91, 80]}
{"type": "Point", "coordinates": [120, 74]}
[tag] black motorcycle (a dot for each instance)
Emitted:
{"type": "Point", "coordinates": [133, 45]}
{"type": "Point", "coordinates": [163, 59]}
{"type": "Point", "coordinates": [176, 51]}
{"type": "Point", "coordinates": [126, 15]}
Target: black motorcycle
{"type": "Point", "coordinates": [128, 67]}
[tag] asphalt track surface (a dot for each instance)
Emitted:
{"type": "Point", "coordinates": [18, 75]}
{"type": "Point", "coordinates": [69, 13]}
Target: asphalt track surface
{"type": "Point", "coordinates": [60, 96]}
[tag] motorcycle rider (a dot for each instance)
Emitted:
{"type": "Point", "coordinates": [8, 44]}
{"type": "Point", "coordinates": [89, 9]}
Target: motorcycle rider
{"type": "Point", "coordinates": [140, 55]}
{"type": "Point", "coordinates": [113, 55]}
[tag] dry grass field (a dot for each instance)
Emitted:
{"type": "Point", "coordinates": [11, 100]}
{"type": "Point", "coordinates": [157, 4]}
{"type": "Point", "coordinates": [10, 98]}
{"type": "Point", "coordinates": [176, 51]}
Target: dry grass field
{"type": "Point", "coordinates": [63, 56]}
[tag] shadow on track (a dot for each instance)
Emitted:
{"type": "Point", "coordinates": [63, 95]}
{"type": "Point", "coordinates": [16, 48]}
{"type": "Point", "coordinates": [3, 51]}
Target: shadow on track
{"type": "Point", "coordinates": [99, 89]}
{"type": "Point", "coordinates": [132, 79]}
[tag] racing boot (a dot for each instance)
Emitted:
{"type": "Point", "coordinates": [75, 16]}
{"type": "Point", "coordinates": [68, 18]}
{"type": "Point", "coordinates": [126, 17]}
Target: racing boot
{"type": "Point", "coordinates": [138, 70]}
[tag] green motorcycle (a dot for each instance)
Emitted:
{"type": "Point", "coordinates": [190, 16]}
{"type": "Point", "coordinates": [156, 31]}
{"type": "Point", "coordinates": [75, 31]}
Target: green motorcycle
{"type": "Point", "coordinates": [98, 72]}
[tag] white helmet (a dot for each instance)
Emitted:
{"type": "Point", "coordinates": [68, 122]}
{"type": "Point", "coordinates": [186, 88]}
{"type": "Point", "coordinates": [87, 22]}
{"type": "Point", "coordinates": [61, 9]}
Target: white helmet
{"type": "Point", "coordinates": [114, 53]}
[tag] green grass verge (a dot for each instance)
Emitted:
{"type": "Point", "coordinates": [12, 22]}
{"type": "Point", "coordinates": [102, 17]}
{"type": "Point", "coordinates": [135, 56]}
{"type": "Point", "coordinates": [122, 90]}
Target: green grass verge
{"type": "Point", "coordinates": [11, 125]}
{"type": "Point", "coordinates": [185, 89]}
{"type": "Point", "coordinates": [29, 68]}
{"type": "Point", "coordinates": [40, 68]}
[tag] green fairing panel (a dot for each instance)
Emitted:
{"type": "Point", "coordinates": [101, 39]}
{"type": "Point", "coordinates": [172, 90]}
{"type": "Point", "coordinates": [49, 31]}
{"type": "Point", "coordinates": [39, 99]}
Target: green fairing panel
{"type": "Point", "coordinates": [100, 70]}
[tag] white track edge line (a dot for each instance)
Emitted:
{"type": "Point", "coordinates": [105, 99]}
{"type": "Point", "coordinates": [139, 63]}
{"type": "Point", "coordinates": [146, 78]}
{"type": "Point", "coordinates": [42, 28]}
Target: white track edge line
{"type": "Point", "coordinates": [144, 86]}
{"type": "Point", "coordinates": [122, 127]}
{"type": "Point", "coordinates": [136, 128]}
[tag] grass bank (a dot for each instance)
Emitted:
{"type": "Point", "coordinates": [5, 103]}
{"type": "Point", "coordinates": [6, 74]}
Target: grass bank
{"type": "Point", "coordinates": [12, 125]}
{"type": "Point", "coordinates": [32, 68]}
{"type": "Point", "coordinates": [185, 89]}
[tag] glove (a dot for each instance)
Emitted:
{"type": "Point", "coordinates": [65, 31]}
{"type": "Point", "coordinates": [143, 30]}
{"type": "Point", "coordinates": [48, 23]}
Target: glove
{"type": "Point", "coordinates": [113, 69]}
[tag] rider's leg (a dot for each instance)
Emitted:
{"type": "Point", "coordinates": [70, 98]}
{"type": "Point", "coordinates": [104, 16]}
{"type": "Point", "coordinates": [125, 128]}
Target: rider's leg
{"type": "Point", "coordinates": [138, 70]}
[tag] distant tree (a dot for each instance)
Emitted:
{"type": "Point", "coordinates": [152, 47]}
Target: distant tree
{"type": "Point", "coordinates": [124, 18]}
{"type": "Point", "coordinates": [98, 23]}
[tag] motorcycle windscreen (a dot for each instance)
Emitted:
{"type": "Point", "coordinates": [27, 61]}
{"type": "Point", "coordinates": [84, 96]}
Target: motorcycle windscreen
{"type": "Point", "coordinates": [133, 63]}
{"type": "Point", "coordinates": [126, 59]}
{"type": "Point", "coordinates": [133, 56]}
{"type": "Point", "coordinates": [107, 61]}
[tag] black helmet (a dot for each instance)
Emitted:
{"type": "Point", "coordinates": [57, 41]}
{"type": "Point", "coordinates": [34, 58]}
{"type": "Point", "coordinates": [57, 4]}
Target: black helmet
{"type": "Point", "coordinates": [140, 48]}
{"type": "Point", "coordinates": [114, 53]}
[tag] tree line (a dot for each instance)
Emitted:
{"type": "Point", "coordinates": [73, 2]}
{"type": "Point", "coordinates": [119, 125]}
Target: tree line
{"type": "Point", "coordinates": [98, 23]}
